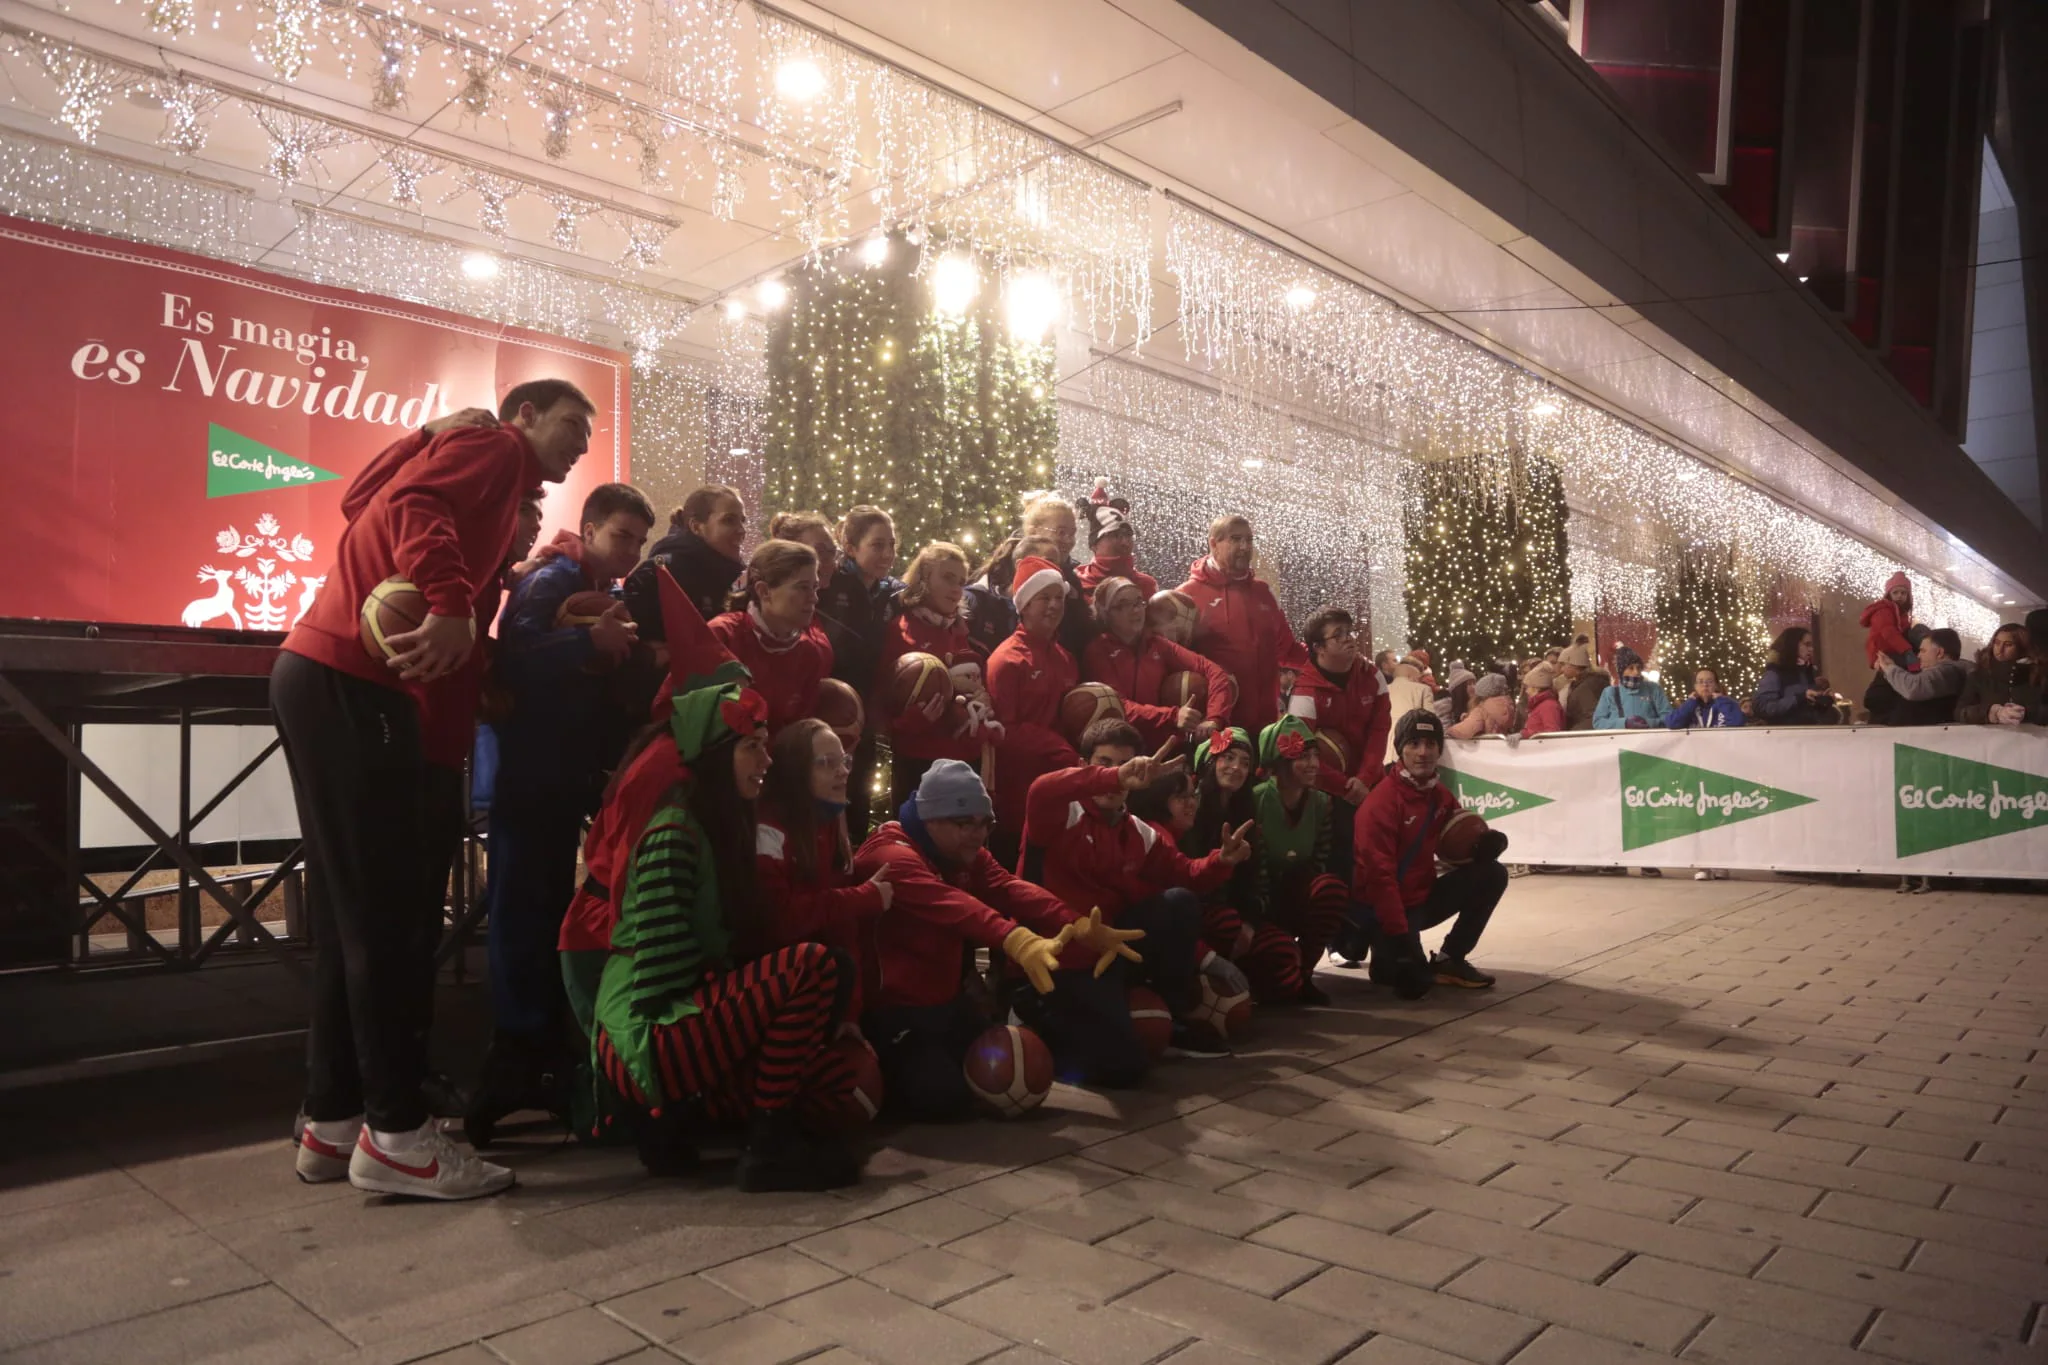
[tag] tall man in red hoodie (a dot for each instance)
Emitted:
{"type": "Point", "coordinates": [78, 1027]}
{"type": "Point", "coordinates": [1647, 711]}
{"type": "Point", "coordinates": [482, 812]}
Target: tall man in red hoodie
{"type": "Point", "coordinates": [1083, 845]}
{"type": "Point", "coordinates": [352, 731]}
{"type": "Point", "coordinates": [1240, 624]}
{"type": "Point", "coordinates": [1394, 870]}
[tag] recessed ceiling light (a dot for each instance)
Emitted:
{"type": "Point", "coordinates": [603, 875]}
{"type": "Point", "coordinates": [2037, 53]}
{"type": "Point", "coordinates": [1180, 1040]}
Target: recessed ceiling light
{"type": "Point", "coordinates": [1546, 408]}
{"type": "Point", "coordinates": [799, 80]}
{"type": "Point", "coordinates": [479, 266]}
{"type": "Point", "coordinates": [734, 310]}
{"type": "Point", "coordinates": [1785, 258]}
{"type": "Point", "coordinates": [875, 250]}
{"type": "Point", "coordinates": [1253, 464]}
{"type": "Point", "coordinates": [1300, 297]}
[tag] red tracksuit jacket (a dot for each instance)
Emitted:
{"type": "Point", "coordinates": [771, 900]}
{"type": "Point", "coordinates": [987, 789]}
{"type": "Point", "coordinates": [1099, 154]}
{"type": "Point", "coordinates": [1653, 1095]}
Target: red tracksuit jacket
{"type": "Point", "coordinates": [1028, 679]}
{"type": "Point", "coordinates": [1359, 712]}
{"type": "Point", "coordinates": [1383, 831]}
{"type": "Point", "coordinates": [786, 676]}
{"type": "Point", "coordinates": [1139, 671]}
{"type": "Point", "coordinates": [914, 951]}
{"type": "Point", "coordinates": [829, 908]}
{"type": "Point", "coordinates": [1243, 629]}
{"type": "Point", "coordinates": [1092, 862]}
{"type": "Point", "coordinates": [913, 736]}
{"type": "Point", "coordinates": [1090, 573]}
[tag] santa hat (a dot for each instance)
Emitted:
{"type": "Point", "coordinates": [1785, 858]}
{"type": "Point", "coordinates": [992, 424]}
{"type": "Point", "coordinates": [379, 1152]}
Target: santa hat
{"type": "Point", "coordinates": [1106, 515]}
{"type": "Point", "coordinates": [1034, 576]}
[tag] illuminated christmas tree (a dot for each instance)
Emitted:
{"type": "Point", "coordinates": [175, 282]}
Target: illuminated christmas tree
{"type": "Point", "coordinates": [1487, 576]}
{"type": "Point", "coordinates": [1711, 613]}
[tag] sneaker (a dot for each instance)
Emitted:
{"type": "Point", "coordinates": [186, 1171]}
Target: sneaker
{"type": "Point", "coordinates": [1196, 1044]}
{"type": "Point", "coordinates": [1905, 885]}
{"type": "Point", "coordinates": [1922, 886]}
{"type": "Point", "coordinates": [1456, 971]}
{"type": "Point", "coordinates": [429, 1166]}
{"type": "Point", "coordinates": [324, 1159]}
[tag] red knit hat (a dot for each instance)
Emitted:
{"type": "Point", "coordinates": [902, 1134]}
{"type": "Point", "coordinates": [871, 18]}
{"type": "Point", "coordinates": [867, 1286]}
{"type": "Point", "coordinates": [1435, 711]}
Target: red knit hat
{"type": "Point", "coordinates": [1897, 580]}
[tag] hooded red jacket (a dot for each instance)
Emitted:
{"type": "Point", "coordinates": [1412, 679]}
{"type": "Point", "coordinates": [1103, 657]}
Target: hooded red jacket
{"type": "Point", "coordinates": [1884, 628]}
{"type": "Point", "coordinates": [1092, 862]}
{"type": "Point", "coordinates": [1027, 680]}
{"type": "Point", "coordinates": [1358, 711]}
{"type": "Point", "coordinates": [786, 677]}
{"type": "Point", "coordinates": [1139, 672]}
{"type": "Point", "coordinates": [828, 908]}
{"type": "Point", "coordinates": [913, 952]}
{"type": "Point", "coordinates": [1243, 629]}
{"type": "Point", "coordinates": [1090, 573]}
{"type": "Point", "coordinates": [1398, 816]}
{"type": "Point", "coordinates": [1546, 714]}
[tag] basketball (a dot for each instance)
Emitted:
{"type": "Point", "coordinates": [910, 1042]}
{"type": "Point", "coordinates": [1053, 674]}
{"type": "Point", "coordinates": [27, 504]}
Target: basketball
{"type": "Point", "coordinates": [1085, 705]}
{"type": "Point", "coordinates": [583, 608]}
{"type": "Point", "coordinates": [1334, 754]}
{"type": "Point", "coordinates": [838, 705]}
{"type": "Point", "coordinates": [1185, 688]}
{"type": "Point", "coordinates": [1224, 1015]}
{"type": "Point", "coordinates": [1454, 844]}
{"type": "Point", "coordinates": [1172, 615]}
{"type": "Point", "coordinates": [852, 1096]}
{"type": "Point", "coordinates": [1009, 1069]}
{"type": "Point", "coordinates": [393, 607]}
{"type": "Point", "coordinates": [913, 682]}
{"type": "Point", "coordinates": [1151, 1020]}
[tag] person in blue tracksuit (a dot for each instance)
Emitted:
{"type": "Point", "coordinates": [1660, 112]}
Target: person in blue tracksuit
{"type": "Point", "coordinates": [1705, 708]}
{"type": "Point", "coordinates": [559, 642]}
{"type": "Point", "coordinates": [1632, 702]}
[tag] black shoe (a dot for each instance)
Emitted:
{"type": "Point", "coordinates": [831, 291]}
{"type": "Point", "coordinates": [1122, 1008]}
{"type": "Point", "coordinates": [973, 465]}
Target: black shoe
{"type": "Point", "coordinates": [1312, 994]}
{"type": "Point", "coordinates": [517, 1074]}
{"type": "Point", "coordinates": [443, 1097]}
{"type": "Point", "coordinates": [1349, 948]}
{"type": "Point", "coordinates": [780, 1156]}
{"type": "Point", "coordinates": [668, 1144]}
{"type": "Point", "coordinates": [1653, 872]}
{"type": "Point", "coordinates": [1456, 971]}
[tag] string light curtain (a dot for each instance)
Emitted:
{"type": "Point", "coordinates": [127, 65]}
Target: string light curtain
{"type": "Point", "coordinates": [876, 396]}
{"type": "Point", "coordinates": [1487, 576]}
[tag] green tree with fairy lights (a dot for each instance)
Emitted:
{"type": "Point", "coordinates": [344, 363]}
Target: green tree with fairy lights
{"type": "Point", "coordinates": [1486, 557]}
{"type": "Point", "coordinates": [1711, 613]}
{"type": "Point", "coordinates": [875, 397]}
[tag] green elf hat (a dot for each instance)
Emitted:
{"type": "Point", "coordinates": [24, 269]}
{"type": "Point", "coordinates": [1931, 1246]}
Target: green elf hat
{"type": "Point", "coordinates": [706, 692]}
{"type": "Point", "coordinates": [1288, 737]}
{"type": "Point", "coordinates": [1225, 739]}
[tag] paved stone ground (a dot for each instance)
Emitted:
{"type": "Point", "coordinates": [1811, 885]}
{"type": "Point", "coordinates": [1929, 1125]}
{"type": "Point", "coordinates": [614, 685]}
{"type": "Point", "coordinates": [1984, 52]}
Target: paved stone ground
{"type": "Point", "coordinates": [1740, 1123]}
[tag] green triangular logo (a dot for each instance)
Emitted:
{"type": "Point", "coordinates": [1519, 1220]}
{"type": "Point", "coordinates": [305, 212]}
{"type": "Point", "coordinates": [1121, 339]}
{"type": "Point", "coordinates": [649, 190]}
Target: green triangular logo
{"type": "Point", "coordinates": [1661, 799]}
{"type": "Point", "coordinates": [1943, 800]}
{"type": "Point", "coordinates": [236, 464]}
{"type": "Point", "coordinates": [1490, 800]}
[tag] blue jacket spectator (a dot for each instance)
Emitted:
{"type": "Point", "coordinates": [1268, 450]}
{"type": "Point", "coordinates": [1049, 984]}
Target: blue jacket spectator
{"type": "Point", "coordinates": [1789, 692]}
{"type": "Point", "coordinates": [1632, 702]}
{"type": "Point", "coordinates": [1705, 708]}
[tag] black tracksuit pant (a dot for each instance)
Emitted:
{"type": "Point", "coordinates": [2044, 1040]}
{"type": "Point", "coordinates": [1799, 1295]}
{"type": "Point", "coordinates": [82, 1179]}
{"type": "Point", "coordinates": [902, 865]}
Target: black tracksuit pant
{"type": "Point", "coordinates": [367, 811]}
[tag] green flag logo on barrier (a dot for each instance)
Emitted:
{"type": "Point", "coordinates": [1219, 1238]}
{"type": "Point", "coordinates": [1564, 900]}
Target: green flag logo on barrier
{"type": "Point", "coordinates": [1944, 800]}
{"type": "Point", "coordinates": [1490, 800]}
{"type": "Point", "coordinates": [1663, 800]}
{"type": "Point", "coordinates": [237, 464]}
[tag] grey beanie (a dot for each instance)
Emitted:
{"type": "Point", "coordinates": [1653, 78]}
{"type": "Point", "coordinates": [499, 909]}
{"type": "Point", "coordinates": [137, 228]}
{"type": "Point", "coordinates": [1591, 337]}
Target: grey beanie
{"type": "Point", "coordinates": [952, 790]}
{"type": "Point", "coordinates": [1492, 685]}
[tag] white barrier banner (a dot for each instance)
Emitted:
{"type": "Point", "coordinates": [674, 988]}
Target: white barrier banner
{"type": "Point", "coordinates": [1948, 800]}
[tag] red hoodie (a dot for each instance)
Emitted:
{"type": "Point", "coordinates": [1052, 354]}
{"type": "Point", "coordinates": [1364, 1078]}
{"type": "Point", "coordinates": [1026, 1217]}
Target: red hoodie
{"type": "Point", "coordinates": [442, 517]}
{"type": "Point", "coordinates": [1027, 680]}
{"type": "Point", "coordinates": [1243, 629]}
{"type": "Point", "coordinates": [1090, 574]}
{"type": "Point", "coordinates": [1358, 711]}
{"type": "Point", "coordinates": [829, 908]}
{"type": "Point", "coordinates": [914, 955]}
{"type": "Point", "coordinates": [1091, 861]}
{"type": "Point", "coordinates": [1398, 817]}
{"type": "Point", "coordinates": [786, 675]}
{"type": "Point", "coordinates": [1139, 672]}
{"type": "Point", "coordinates": [912, 735]}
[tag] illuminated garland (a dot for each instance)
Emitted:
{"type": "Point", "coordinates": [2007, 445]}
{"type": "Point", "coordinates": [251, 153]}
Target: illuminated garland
{"type": "Point", "coordinates": [1486, 557]}
{"type": "Point", "coordinates": [874, 398]}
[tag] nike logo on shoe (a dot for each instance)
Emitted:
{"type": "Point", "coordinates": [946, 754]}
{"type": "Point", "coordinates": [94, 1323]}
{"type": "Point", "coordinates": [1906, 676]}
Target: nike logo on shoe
{"type": "Point", "coordinates": [426, 1172]}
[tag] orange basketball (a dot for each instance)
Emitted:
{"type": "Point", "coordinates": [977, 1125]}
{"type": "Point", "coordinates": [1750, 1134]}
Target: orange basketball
{"type": "Point", "coordinates": [839, 706]}
{"type": "Point", "coordinates": [1185, 688]}
{"type": "Point", "coordinates": [1172, 614]}
{"type": "Point", "coordinates": [1009, 1069]}
{"type": "Point", "coordinates": [1151, 1020]}
{"type": "Point", "coordinates": [583, 608]}
{"type": "Point", "coordinates": [1085, 705]}
{"type": "Point", "coordinates": [1335, 753]}
{"type": "Point", "coordinates": [914, 681]}
{"type": "Point", "coordinates": [393, 607]}
{"type": "Point", "coordinates": [1454, 845]}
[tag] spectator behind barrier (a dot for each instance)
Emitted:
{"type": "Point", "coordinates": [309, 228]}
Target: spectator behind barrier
{"type": "Point", "coordinates": [1790, 690]}
{"type": "Point", "coordinates": [1632, 703]}
{"type": "Point", "coordinates": [2006, 686]}
{"type": "Point", "coordinates": [1928, 697]}
{"type": "Point", "coordinates": [1705, 708]}
{"type": "Point", "coordinates": [1583, 685]}
{"type": "Point", "coordinates": [1492, 712]}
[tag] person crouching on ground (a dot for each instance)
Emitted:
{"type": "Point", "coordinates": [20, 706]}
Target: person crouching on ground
{"type": "Point", "coordinates": [1394, 873]}
{"type": "Point", "coordinates": [1302, 881]}
{"type": "Point", "coordinates": [1083, 845]}
{"type": "Point", "coordinates": [950, 897]}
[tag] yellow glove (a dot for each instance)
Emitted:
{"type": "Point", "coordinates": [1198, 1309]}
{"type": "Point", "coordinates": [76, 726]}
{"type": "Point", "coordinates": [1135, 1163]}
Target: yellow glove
{"type": "Point", "coordinates": [1105, 939]}
{"type": "Point", "coordinates": [1037, 956]}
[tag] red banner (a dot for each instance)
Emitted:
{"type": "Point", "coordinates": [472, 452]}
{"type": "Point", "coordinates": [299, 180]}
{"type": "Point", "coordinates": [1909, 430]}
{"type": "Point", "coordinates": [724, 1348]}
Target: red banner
{"type": "Point", "coordinates": [183, 429]}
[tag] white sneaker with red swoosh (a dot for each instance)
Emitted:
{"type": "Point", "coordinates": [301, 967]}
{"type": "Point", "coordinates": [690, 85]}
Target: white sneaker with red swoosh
{"type": "Point", "coordinates": [323, 1159]}
{"type": "Point", "coordinates": [426, 1166]}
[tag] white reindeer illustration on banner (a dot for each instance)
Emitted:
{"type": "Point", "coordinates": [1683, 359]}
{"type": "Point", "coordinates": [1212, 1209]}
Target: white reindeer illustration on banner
{"type": "Point", "coordinates": [221, 602]}
{"type": "Point", "coordinates": [263, 600]}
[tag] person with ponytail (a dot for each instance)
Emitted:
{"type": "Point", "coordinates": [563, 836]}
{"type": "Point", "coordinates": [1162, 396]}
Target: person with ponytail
{"type": "Point", "coordinates": [770, 625]}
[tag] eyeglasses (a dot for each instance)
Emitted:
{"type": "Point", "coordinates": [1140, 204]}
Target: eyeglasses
{"type": "Point", "coordinates": [1340, 636]}
{"type": "Point", "coordinates": [827, 763]}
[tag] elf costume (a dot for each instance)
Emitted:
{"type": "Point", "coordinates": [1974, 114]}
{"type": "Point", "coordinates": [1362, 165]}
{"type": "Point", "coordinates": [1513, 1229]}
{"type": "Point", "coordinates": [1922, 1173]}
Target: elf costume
{"type": "Point", "coordinates": [1304, 895]}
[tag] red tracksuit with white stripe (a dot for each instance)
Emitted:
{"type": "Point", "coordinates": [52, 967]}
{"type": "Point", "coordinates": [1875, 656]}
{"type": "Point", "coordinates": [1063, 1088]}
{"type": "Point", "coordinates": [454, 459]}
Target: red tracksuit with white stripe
{"type": "Point", "coordinates": [1139, 672]}
{"type": "Point", "coordinates": [1027, 679]}
{"type": "Point", "coordinates": [785, 673]}
{"type": "Point", "coordinates": [1357, 710]}
{"type": "Point", "coordinates": [1242, 628]}
{"type": "Point", "coordinates": [913, 736]}
{"type": "Point", "coordinates": [1393, 818]}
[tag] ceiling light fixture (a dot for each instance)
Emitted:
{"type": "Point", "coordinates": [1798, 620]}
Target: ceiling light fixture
{"type": "Point", "coordinates": [955, 282]}
{"type": "Point", "coordinates": [875, 250]}
{"type": "Point", "coordinates": [773, 294]}
{"type": "Point", "coordinates": [1784, 258]}
{"type": "Point", "coordinates": [479, 266]}
{"type": "Point", "coordinates": [1031, 305]}
{"type": "Point", "coordinates": [1546, 408]}
{"type": "Point", "coordinates": [734, 310]}
{"type": "Point", "coordinates": [799, 80]}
